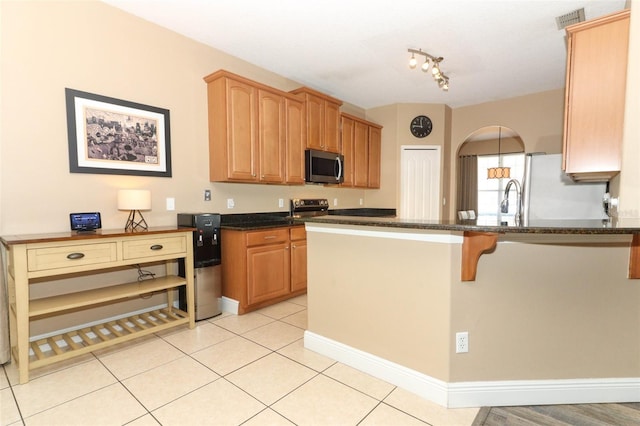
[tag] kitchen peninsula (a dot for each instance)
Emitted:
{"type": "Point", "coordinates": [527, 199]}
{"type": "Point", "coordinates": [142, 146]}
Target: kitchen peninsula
{"type": "Point", "coordinates": [551, 313]}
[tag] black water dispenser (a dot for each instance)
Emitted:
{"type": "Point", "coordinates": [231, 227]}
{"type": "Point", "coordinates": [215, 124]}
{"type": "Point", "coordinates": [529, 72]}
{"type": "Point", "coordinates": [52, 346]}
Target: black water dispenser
{"type": "Point", "coordinates": [207, 263]}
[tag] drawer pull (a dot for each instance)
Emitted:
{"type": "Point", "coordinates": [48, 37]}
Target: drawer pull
{"type": "Point", "coordinates": [269, 237]}
{"type": "Point", "coordinates": [73, 256]}
{"type": "Point", "coordinates": [156, 247]}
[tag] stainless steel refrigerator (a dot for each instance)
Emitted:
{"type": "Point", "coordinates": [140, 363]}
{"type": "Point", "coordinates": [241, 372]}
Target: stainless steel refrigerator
{"type": "Point", "coordinates": [550, 195]}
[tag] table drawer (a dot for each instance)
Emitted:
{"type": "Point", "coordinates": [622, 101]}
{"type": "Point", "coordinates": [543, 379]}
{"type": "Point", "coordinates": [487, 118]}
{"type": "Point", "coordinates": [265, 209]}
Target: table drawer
{"type": "Point", "coordinates": [151, 247]}
{"type": "Point", "coordinates": [271, 236]}
{"type": "Point", "coordinates": [69, 256]}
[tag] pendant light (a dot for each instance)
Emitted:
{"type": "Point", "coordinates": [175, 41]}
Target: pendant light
{"type": "Point", "coordinates": [499, 172]}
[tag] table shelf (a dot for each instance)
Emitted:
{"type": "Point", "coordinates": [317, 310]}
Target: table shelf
{"type": "Point", "coordinates": [65, 302]}
{"type": "Point", "coordinates": [88, 339]}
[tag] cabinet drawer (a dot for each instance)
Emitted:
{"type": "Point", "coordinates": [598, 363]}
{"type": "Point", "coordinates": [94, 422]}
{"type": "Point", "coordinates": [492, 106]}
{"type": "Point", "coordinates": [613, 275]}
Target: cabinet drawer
{"type": "Point", "coordinates": [151, 247]}
{"type": "Point", "coordinates": [275, 235]}
{"type": "Point", "coordinates": [298, 233]}
{"type": "Point", "coordinates": [68, 256]}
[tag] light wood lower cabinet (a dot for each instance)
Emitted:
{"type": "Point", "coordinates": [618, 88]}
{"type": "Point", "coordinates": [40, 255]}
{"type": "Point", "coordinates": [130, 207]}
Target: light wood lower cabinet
{"type": "Point", "coordinates": [262, 267]}
{"type": "Point", "coordinates": [298, 236]}
{"type": "Point", "coordinates": [45, 258]}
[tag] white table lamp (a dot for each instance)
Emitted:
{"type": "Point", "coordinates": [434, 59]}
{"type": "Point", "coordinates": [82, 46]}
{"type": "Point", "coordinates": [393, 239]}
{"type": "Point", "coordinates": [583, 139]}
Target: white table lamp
{"type": "Point", "coordinates": [134, 200]}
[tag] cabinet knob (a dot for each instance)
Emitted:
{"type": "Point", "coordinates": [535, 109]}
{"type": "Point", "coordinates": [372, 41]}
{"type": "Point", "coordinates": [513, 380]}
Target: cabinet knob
{"type": "Point", "coordinates": [156, 247]}
{"type": "Point", "coordinates": [73, 256]}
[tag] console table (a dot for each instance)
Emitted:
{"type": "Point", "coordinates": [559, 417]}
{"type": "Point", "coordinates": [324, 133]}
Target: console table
{"type": "Point", "coordinates": [48, 255]}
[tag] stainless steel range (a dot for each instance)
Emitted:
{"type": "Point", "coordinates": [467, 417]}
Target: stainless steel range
{"type": "Point", "coordinates": [305, 207]}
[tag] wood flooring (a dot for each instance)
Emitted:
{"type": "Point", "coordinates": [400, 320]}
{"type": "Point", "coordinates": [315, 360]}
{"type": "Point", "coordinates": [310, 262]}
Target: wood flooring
{"type": "Point", "coordinates": [627, 414]}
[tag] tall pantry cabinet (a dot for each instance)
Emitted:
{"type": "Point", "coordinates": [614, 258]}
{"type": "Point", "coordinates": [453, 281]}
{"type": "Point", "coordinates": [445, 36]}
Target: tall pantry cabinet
{"type": "Point", "coordinates": [595, 97]}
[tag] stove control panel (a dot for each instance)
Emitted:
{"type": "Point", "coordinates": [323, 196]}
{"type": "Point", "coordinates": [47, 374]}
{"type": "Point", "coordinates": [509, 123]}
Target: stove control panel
{"type": "Point", "coordinates": [309, 205]}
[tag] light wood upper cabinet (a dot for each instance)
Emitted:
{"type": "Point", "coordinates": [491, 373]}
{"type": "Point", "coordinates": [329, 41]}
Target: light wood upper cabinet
{"type": "Point", "coordinates": [595, 97]}
{"type": "Point", "coordinates": [296, 140]}
{"type": "Point", "coordinates": [271, 136]}
{"type": "Point", "coordinates": [254, 130]}
{"type": "Point", "coordinates": [361, 145]}
{"type": "Point", "coordinates": [361, 154]}
{"type": "Point", "coordinates": [332, 126]}
{"type": "Point", "coordinates": [348, 135]}
{"type": "Point", "coordinates": [232, 130]}
{"type": "Point", "coordinates": [323, 120]}
{"type": "Point", "coordinates": [375, 153]}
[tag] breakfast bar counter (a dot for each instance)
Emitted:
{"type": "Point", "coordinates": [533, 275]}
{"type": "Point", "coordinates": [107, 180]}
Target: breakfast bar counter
{"type": "Point", "coordinates": [551, 311]}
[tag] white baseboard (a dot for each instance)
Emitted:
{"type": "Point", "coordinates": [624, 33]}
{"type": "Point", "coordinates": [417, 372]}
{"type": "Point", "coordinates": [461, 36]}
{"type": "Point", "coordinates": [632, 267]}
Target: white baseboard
{"type": "Point", "coordinates": [229, 305]}
{"type": "Point", "coordinates": [479, 394]}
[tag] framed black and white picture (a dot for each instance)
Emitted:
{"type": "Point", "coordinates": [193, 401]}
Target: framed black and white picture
{"type": "Point", "coordinates": [113, 136]}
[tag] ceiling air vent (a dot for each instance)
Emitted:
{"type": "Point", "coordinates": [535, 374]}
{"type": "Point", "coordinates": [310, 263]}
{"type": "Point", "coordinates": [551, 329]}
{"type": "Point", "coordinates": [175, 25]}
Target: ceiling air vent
{"type": "Point", "coordinates": [570, 18]}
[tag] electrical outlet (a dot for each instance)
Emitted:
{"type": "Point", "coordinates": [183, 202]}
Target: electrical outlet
{"type": "Point", "coordinates": [207, 195]}
{"type": "Point", "coordinates": [171, 204]}
{"type": "Point", "coordinates": [462, 342]}
{"type": "Point", "coordinates": [280, 202]}
{"type": "Point", "coordinates": [361, 201]}
{"type": "Point", "coordinates": [335, 201]}
{"type": "Point", "coordinates": [230, 203]}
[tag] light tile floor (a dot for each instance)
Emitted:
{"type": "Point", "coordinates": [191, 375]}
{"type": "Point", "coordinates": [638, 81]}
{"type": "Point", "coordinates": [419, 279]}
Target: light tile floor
{"type": "Point", "coordinates": [230, 370]}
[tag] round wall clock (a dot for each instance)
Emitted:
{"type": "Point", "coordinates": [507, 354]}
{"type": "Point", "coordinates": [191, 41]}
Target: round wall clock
{"type": "Point", "coordinates": [421, 126]}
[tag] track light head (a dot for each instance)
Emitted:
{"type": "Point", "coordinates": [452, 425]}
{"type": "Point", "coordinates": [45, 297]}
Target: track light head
{"type": "Point", "coordinates": [413, 62]}
{"type": "Point", "coordinates": [425, 66]}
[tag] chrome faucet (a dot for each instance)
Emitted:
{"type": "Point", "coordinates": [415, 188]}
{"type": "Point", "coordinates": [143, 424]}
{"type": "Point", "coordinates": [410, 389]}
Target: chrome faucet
{"type": "Point", "coordinates": [504, 205]}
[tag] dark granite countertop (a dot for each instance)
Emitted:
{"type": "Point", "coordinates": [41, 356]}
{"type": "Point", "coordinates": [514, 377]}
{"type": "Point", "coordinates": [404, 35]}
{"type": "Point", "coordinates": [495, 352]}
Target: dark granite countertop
{"type": "Point", "coordinates": [626, 226]}
{"type": "Point", "coordinates": [253, 221]}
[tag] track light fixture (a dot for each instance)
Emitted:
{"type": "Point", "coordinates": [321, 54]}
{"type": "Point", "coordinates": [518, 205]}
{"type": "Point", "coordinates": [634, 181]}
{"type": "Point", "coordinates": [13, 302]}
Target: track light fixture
{"type": "Point", "coordinates": [433, 62]}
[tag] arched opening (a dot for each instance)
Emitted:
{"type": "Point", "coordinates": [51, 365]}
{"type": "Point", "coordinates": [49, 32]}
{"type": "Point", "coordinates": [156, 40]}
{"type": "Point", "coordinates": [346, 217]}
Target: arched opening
{"type": "Point", "coordinates": [479, 191]}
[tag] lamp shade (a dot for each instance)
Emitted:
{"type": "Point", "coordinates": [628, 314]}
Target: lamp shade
{"type": "Point", "coordinates": [134, 199]}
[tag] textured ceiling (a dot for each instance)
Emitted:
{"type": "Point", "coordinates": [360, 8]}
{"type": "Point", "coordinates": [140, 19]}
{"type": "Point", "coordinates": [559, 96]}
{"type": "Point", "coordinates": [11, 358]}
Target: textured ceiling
{"type": "Point", "coordinates": [356, 50]}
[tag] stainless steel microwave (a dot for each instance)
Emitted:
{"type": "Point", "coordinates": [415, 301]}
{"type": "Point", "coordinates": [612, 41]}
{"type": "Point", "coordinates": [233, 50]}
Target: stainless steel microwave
{"type": "Point", "coordinates": [323, 167]}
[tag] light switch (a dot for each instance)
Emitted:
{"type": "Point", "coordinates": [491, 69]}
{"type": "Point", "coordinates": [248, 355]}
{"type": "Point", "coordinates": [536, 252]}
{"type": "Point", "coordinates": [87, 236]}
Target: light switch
{"type": "Point", "coordinates": [171, 203]}
{"type": "Point", "coordinates": [207, 195]}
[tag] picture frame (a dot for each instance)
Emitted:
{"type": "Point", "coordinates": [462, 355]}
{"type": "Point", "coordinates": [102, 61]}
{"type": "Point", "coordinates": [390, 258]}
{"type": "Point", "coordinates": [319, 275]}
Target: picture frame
{"type": "Point", "coordinates": [114, 136]}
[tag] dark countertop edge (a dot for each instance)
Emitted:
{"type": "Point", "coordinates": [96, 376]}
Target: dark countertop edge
{"type": "Point", "coordinates": [261, 225]}
{"type": "Point", "coordinates": [443, 226]}
{"type": "Point", "coordinates": [266, 220]}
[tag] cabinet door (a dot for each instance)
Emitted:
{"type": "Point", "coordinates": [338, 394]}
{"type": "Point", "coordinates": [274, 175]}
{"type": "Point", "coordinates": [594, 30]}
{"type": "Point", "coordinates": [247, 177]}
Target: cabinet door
{"type": "Point", "coordinates": [295, 141]}
{"type": "Point", "coordinates": [348, 126]}
{"type": "Point", "coordinates": [268, 269]}
{"type": "Point", "coordinates": [315, 122]}
{"type": "Point", "coordinates": [361, 155]}
{"type": "Point", "coordinates": [241, 125]}
{"type": "Point", "coordinates": [298, 265]}
{"type": "Point", "coordinates": [331, 127]}
{"type": "Point", "coordinates": [375, 148]}
{"type": "Point", "coordinates": [271, 137]}
{"type": "Point", "coordinates": [596, 84]}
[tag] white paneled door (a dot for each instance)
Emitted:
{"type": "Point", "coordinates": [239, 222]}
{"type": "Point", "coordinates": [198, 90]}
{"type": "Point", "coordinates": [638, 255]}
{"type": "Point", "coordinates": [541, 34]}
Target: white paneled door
{"type": "Point", "coordinates": [420, 182]}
